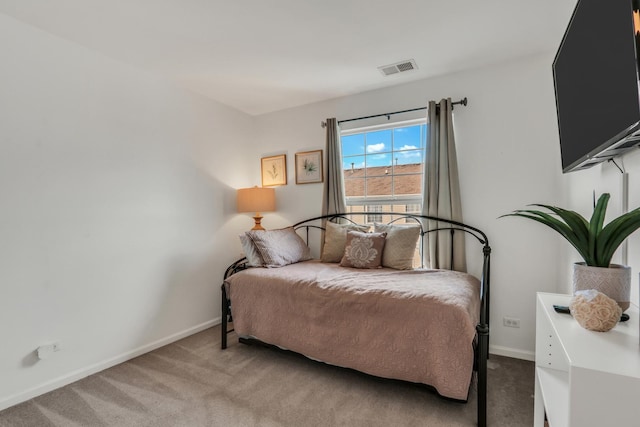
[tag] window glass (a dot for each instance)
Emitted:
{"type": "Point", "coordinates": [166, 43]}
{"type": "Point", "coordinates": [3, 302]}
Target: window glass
{"type": "Point", "coordinates": [384, 166]}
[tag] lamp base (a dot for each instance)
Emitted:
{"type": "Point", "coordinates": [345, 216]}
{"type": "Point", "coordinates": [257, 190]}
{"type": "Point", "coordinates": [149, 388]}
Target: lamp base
{"type": "Point", "coordinates": [257, 225]}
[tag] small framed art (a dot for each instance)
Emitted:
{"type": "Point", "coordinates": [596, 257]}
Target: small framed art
{"type": "Point", "coordinates": [309, 167]}
{"type": "Point", "coordinates": [274, 170]}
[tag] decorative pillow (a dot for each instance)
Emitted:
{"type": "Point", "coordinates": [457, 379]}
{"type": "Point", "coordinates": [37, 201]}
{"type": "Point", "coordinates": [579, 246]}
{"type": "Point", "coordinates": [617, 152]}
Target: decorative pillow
{"type": "Point", "coordinates": [335, 239]}
{"type": "Point", "coordinates": [363, 250]}
{"type": "Point", "coordinates": [279, 247]}
{"type": "Point", "coordinates": [400, 247]}
{"type": "Point", "coordinates": [250, 252]}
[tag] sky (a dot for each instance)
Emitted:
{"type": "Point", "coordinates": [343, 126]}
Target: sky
{"type": "Point", "coordinates": [403, 145]}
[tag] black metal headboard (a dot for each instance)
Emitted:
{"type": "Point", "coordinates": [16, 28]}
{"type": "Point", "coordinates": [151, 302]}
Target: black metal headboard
{"type": "Point", "coordinates": [452, 226]}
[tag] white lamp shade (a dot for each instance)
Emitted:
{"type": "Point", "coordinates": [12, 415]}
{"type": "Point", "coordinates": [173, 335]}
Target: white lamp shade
{"type": "Point", "coordinates": [256, 199]}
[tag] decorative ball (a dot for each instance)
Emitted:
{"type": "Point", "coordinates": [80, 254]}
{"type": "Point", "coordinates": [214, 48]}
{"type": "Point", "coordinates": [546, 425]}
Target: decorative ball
{"type": "Point", "coordinates": [594, 310]}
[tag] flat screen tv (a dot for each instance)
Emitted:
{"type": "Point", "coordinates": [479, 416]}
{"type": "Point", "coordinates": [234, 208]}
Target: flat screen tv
{"type": "Point", "coordinates": [595, 73]}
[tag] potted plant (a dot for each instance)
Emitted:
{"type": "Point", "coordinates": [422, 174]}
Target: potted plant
{"type": "Point", "coordinates": [595, 243]}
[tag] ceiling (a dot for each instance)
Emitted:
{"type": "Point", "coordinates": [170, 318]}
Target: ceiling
{"type": "Point", "coordinates": [260, 56]}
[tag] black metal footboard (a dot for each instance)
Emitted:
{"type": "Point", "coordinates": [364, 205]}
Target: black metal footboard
{"type": "Point", "coordinates": [482, 328]}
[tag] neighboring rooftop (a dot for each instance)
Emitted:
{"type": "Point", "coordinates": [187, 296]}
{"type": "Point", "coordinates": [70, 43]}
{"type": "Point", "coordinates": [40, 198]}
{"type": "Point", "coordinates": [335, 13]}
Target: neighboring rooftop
{"type": "Point", "coordinates": [408, 180]}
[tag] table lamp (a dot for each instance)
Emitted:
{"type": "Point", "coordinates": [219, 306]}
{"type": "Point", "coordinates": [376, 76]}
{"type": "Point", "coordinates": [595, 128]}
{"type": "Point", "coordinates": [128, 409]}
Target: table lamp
{"type": "Point", "coordinates": [256, 199]}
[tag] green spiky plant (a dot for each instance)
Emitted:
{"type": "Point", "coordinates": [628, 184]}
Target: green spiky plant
{"type": "Point", "coordinates": [595, 244]}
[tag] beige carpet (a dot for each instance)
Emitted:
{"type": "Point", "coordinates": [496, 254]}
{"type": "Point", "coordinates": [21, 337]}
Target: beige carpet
{"type": "Point", "coordinates": [194, 383]}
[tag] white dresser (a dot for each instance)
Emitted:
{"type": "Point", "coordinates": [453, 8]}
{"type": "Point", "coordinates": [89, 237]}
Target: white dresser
{"type": "Point", "coordinates": [585, 378]}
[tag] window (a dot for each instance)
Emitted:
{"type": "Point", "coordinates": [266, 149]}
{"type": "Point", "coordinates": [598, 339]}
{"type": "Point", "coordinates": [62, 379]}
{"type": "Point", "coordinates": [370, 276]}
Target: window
{"type": "Point", "coordinates": [414, 208]}
{"type": "Point", "coordinates": [374, 217]}
{"type": "Point", "coordinates": [383, 168]}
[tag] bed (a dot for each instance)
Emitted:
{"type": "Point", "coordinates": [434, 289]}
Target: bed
{"type": "Point", "coordinates": [413, 324]}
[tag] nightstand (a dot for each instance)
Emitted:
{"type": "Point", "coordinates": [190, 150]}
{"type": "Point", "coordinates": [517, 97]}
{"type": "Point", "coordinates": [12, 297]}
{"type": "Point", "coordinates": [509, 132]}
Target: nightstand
{"type": "Point", "coordinates": [585, 378]}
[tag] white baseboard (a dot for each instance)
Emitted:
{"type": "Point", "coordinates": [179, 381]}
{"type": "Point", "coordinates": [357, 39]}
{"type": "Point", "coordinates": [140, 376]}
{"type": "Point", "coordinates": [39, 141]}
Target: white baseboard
{"type": "Point", "coordinates": [100, 366]}
{"type": "Point", "coordinates": [512, 352]}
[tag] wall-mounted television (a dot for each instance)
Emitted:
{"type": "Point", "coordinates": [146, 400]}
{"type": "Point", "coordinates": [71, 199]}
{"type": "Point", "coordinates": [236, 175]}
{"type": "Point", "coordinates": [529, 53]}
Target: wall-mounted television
{"type": "Point", "coordinates": [595, 73]}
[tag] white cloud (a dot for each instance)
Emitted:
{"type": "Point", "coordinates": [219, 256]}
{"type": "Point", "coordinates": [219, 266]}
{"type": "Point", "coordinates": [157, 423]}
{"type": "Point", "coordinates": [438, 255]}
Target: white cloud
{"type": "Point", "coordinates": [408, 154]}
{"type": "Point", "coordinates": [375, 148]}
{"type": "Point", "coordinates": [408, 147]}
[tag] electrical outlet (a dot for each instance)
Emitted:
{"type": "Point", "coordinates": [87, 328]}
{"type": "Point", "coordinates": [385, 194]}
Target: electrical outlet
{"type": "Point", "coordinates": [45, 351]}
{"type": "Point", "coordinates": [511, 322]}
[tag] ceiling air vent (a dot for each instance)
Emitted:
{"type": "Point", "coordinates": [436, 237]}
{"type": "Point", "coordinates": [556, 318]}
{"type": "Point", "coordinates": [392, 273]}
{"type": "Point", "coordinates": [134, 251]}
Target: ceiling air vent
{"type": "Point", "coordinates": [399, 67]}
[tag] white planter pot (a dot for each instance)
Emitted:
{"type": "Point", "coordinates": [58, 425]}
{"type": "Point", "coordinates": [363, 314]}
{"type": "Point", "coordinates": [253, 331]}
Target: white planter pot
{"type": "Point", "coordinates": [614, 281]}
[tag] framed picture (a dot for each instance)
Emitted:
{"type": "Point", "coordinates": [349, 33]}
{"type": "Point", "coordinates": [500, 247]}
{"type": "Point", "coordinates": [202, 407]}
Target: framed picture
{"type": "Point", "coordinates": [309, 167]}
{"type": "Point", "coordinates": [274, 170]}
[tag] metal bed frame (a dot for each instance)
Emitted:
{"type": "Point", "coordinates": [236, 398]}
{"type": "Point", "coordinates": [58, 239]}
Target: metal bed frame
{"type": "Point", "coordinates": [481, 349]}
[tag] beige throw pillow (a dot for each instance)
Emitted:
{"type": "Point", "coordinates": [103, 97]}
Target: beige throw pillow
{"type": "Point", "coordinates": [363, 250]}
{"type": "Point", "coordinates": [400, 245]}
{"type": "Point", "coordinates": [335, 239]}
{"type": "Point", "coordinates": [280, 247]}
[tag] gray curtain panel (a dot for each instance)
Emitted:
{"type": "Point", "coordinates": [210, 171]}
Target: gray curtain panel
{"type": "Point", "coordinates": [334, 199]}
{"type": "Point", "coordinates": [441, 195]}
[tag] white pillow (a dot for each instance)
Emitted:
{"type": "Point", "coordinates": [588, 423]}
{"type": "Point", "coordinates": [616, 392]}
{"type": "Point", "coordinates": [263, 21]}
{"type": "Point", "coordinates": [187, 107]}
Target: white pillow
{"type": "Point", "coordinates": [335, 240]}
{"type": "Point", "coordinates": [279, 247]}
{"type": "Point", "coordinates": [400, 245]}
{"type": "Point", "coordinates": [250, 252]}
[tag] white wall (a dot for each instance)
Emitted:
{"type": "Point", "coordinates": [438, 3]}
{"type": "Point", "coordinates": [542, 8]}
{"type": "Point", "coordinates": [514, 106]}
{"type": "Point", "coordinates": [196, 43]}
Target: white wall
{"type": "Point", "coordinates": [117, 204]}
{"type": "Point", "coordinates": [508, 154]}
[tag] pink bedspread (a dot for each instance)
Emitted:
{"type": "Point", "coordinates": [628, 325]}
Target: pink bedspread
{"type": "Point", "coordinates": [412, 325]}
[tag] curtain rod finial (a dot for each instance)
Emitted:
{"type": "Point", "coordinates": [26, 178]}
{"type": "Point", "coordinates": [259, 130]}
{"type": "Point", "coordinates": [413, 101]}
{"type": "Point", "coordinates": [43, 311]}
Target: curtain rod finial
{"type": "Point", "coordinates": [323, 125]}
